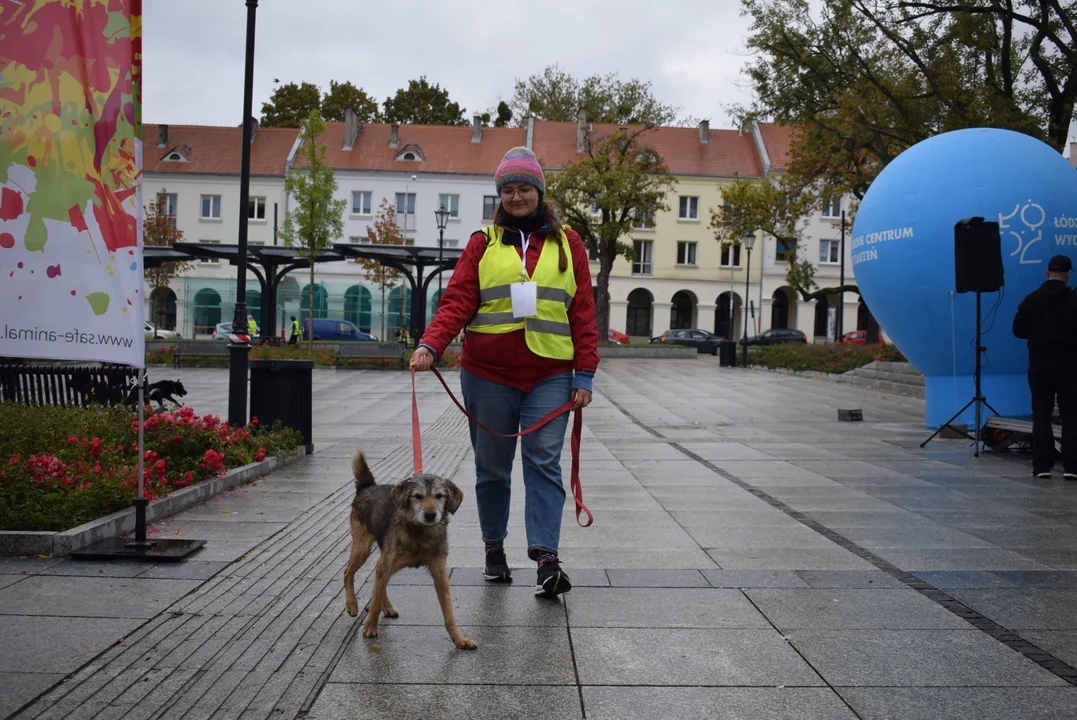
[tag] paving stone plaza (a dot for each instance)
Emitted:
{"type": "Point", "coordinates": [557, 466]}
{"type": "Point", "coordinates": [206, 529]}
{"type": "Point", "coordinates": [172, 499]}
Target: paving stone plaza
{"type": "Point", "coordinates": [751, 557]}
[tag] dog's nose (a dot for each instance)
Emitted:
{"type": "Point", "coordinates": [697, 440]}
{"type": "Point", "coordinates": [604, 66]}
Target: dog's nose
{"type": "Point", "coordinates": [430, 516]}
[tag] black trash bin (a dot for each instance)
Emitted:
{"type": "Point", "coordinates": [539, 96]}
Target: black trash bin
{"type": "Point", "coordinates": [281, 390]}
{"type": "Point", "coordinates": [727, 353]}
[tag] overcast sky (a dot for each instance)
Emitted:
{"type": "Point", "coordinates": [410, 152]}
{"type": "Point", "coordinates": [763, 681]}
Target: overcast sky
{"type": "Point", "coordinates": [691, 50]}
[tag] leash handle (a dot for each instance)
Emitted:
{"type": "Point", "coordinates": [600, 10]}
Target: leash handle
{"type": "Point", "coordinates": [577, 435]}
{"type": "Point", "coordinates": [416, 437]}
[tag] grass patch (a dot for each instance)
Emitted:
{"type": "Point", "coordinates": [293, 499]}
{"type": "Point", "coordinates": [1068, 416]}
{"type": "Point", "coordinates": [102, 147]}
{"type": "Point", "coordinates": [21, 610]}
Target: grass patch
{"type": "Point", "coordinates": [821, 357]}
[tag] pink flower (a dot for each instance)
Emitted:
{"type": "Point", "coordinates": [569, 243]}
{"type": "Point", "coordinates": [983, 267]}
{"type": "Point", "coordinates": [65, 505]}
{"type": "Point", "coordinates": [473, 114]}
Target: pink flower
{"type": "Point", "coordinates": [177, 439]}
{"type": "Point", "coordinates": [95, 447]}
{"type": "Point", "coordinates": [73, 440]}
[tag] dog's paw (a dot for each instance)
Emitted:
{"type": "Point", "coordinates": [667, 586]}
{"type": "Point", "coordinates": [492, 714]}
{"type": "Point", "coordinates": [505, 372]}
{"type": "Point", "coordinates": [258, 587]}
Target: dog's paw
{"type": "Point", "coordinates": [352, 607]}
{"type": "Point", "coordinates": [391, 613]}
{"type": "Point", "coordinates": [370, 631]}
{"type": "Point", "coordinates": [465, 644]}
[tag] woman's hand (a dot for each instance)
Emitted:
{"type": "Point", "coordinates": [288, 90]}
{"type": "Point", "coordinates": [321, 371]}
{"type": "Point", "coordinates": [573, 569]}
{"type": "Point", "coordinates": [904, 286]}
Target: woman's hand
{"type": "Point", "coordinates": [580, 398]}
{"type": "Point", "coordinates": [422, 359]}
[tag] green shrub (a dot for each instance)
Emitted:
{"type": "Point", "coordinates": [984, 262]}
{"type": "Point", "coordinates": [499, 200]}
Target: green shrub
{"type": "Point", "coordinates": [67, 465]}
{"type": "Point", "coordinates": [821, 357]}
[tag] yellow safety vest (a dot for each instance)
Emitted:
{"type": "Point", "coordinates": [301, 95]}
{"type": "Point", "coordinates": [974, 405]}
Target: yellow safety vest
{"type": "Point", "coordinates": [548, 333]}
{"type": "Point", "coordinates": [252, 327]}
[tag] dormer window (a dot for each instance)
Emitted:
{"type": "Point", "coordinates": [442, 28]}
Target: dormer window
{"type": "Point", "coordinates": [410, 153]}
{"type": "Point", "coordinates": [177, 154]}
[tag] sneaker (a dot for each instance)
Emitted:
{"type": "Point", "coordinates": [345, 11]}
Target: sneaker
{"type": "Point", "coordinates": [497, 568]}
{"type": "Point", "coordinates": [1069, 476]}
{"type": "Point", "coordinates": [1042, 475]}
{"type": "Point", "coordinates": [552, 580]}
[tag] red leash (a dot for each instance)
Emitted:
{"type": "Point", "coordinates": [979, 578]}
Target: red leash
{"type": "Point", "coordinates": [577, 434]}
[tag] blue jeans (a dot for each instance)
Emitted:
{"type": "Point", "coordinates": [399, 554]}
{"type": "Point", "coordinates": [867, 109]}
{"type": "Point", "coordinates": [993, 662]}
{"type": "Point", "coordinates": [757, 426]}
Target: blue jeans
{"type": "Point", "coordinates": [508, 410]}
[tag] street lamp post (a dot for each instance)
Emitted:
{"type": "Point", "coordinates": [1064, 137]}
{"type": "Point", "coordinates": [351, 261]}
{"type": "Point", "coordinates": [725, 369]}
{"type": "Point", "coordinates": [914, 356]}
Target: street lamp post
{"type": "Point", "coordinates": [238, 350]}
{"type": "Point", "coordinates": [748, 242]}
{"type": "Point", "coordinates": [442, 215]}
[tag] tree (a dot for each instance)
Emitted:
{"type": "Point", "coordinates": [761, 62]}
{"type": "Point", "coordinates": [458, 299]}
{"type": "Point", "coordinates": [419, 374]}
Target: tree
{"type": "Point", "coordinates": [290, 105]}
{"type": "Point", "coordinates": [317, 219]}
{"type": "Point", "coordinates": [342, 96]}
{"type": "Point", "coordinates": [422, 104]}
{"type": "Point", "coordinates": [384, 231]}
{"type": "Point", "coordinates": [159, 230]}
{"type": "Point", "coordinates": [865, 80]}
{"type": "Point", "coordinates": [625, 182]}
{"type": "Point", "coordinates": [554, 94]}
{"type": "Point", "coordinates": [779, 206]}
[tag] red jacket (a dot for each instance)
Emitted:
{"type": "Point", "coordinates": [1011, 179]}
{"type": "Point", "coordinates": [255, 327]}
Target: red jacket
{"type": "Point", "coordinates": [505, 358]}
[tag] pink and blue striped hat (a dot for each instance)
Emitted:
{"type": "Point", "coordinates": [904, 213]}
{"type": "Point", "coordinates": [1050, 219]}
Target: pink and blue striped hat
{"type": "Point", "coordinates": [520, 165]}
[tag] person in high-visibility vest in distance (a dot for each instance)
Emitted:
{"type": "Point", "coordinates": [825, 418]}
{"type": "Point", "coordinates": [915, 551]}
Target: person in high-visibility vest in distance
{"type": "Point", "coordinates": [522, 288]}
{"type": "Point", "coordinates": [295, 333]}
{"type": "Point", "coordinates": [252, 326]}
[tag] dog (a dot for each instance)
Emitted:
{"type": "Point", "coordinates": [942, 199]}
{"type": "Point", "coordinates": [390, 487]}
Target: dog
{"type": "Point", "coordinates": [165, 390]}
{"type": "Point", "coordinates": [409, 522]}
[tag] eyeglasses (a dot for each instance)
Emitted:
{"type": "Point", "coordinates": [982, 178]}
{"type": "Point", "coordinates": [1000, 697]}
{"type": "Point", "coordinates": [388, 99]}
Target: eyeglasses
{"type": "Point", "coordinates": [524, 191]}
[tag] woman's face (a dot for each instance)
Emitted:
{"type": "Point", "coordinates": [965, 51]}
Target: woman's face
{"type": "Point", "coordinates": [519, 199]}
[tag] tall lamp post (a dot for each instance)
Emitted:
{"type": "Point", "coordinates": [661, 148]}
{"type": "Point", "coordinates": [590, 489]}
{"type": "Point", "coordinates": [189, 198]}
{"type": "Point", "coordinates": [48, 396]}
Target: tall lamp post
{"type": "Point", "coordinates": [237, 350]}
{"type": "Point", "coordinates": [442, 215]}
{"type": "Point", "coordinates": [748, 242]}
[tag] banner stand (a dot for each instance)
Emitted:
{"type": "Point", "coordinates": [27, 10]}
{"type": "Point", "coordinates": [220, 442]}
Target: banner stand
{"type": "Point", "coordinates": [140, 548]}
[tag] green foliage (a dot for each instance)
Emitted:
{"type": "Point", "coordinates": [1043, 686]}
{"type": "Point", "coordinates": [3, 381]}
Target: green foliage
{"type": "Point", "coordinates": [290, 105]}
{"type": "Point", "coordinates": [822, 357]}
{"type": "Point", "coordinates": [342, 96]}
{"type": "Point", "coordinates": [317, 218]}
{"type": "Point", "coordinates": [554, 94]}
{"type": "Point", "coordinates": [422, 104]}
{"type": "Point", "coordinates": [623, 179]}
{"type": "Point", "coordinates": [64, 466]}
{"type": "Point", "coordinates": [504, 114]}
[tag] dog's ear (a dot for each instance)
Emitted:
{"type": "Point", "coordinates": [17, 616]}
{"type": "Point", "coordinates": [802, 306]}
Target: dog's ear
{"type": "Point", "coordinates": [456, 496]}
{"type": "Point", "coordinates": [401, 491]}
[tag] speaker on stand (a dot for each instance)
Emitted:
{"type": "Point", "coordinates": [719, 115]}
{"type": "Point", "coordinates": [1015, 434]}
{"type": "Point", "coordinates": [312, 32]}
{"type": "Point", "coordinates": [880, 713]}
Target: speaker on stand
{"type": "Point", "coordinates": [978, 269]}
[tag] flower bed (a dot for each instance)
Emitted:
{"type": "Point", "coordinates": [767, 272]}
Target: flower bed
{"type": "Point", "coordinates": [66, 465]}
{"type": "Point", "coordinates": [826, 358]}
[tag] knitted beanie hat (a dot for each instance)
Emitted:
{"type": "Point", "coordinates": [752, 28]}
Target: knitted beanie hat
{"type": "Point", "coordinates": [520, 165]}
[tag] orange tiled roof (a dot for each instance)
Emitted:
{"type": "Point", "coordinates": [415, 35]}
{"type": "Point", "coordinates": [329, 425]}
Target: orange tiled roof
{"type": "Point", "coordinates": [728, 153]}
{"type": "Point", "coordinates": [447, 148]}
{"type": "Point", "coordinates": [216, 150]}
{"type": "Point", "coordinates": [778, 139]}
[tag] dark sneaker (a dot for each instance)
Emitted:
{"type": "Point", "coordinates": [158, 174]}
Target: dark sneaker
{"type": "Point", "coordinates": [497, 568]}
{"type": "Point", "coordinates": [1069, 476]}
{"type": "Point", "coordinates": [552, 580]}
{"type": "Point", "coordinates": [1042, 475]}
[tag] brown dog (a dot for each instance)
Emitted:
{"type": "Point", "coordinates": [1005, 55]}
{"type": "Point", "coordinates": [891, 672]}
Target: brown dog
{"type": "Point", "coordinates": [409, 523]}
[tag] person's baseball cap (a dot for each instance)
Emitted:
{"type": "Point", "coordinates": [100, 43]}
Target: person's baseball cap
{"type": "Point", "coordinates": [1060, 263]}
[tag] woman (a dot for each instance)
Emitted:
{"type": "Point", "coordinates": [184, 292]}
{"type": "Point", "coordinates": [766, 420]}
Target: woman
{"type": "Point", "coordinates": [523, 290]}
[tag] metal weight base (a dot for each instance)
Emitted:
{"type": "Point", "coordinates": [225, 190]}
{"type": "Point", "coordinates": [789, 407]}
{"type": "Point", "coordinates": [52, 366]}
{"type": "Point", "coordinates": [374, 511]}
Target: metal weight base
{"type": "Point", "coordinates": [163, 550]}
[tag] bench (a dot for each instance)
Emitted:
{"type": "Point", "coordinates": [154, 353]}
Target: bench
{"type": "Point", "coordinates": [69, 385]}
{"type": "Point", "coordinates": [204, 348]}
{"type": "Point", "coordinates": [370, 351]}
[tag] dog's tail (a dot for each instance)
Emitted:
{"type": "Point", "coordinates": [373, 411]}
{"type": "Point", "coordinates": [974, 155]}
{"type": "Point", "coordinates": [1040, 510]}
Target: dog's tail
{"type": "Point", "coordinates": [361, 471]}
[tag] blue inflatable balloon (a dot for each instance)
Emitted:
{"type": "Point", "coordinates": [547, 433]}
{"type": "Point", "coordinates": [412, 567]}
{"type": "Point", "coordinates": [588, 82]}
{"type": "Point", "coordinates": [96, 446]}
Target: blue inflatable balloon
{"type": "Point", "coordinates": [903, 255]}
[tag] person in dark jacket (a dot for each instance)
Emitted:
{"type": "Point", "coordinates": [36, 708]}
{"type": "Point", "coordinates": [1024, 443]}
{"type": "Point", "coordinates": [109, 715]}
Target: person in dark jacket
{"type": "Point", "coordinates": [1047, 318]}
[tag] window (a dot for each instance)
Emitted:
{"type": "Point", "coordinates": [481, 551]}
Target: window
{"type": "Point", "coordinates": [731, 256]}
{"type": "Point", "coordinates": [450, 203]}
{"type": "Point", "coordinates": [405, 203]}
{"type": "Point", "coordinates": [832, 207]}
{"type": "Point", "coordinates": [689, 208]}
{"type": "Point", "coordinates": [211, 207]}
{"type": "Point", "coordinates": [359, 240]}
{"type": "Point", "coordinates": [451, 243]}
{"type": "Point", "coordinates": [829, 251]}
{"type": "Point", "coordinates": [642, 264]}
{"type": "Point", "coordinates": [686, 253]}
{"type": "Point", "coordinates": [780, 252]}
{"type": "Point", "coordinates": [409, 241]}
{"type": "Point", "coordinates": [209, 260]}
{"type": "Point", "coordinates": [256, 208]}
{"type": "Point", "coordinates": [644, 221]}
{"type": "Point", "coordinates": [166, 205]}
{"type": "Point", "coordinates": [361, 203]}
{"type": "Point", "coordinates": [489, 206]}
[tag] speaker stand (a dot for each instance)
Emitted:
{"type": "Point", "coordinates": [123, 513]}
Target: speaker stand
{"type": "Point", "coordinates": [978, 400]}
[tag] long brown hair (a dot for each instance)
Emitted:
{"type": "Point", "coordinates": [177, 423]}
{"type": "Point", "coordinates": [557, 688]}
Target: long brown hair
{"type": "Point", "coordinates": [549, 218]}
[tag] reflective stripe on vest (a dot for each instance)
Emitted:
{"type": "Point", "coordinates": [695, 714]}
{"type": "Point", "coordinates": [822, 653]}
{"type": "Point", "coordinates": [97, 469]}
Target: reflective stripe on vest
{"type": "Point", "coordinates": [548, 333]}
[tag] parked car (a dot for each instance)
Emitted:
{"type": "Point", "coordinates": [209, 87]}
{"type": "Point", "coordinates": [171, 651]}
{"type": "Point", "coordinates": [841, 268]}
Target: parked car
{"type": "Point", "coordinates": [702, 340]}
{"type": "Point", "coordinates": [223, 330]}
{"type": "Point", "coordinates": [858, 337]}
{"type": "Point", "coordinates": [153, 332]}
{"type": "Point", "coordinates": [618, 337]}
{"type": "Point", "coordinates": [329, 329]}
{"type": "Point", "coordinates": [776, 336]}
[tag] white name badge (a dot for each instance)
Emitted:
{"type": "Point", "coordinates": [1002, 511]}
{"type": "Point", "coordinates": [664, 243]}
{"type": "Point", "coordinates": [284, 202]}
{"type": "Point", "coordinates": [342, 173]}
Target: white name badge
{"type": "Point", "coordinates": [524, 299]}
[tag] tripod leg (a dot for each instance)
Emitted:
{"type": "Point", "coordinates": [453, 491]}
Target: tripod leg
{"type": "Point", "coordinates": [949, 422]}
